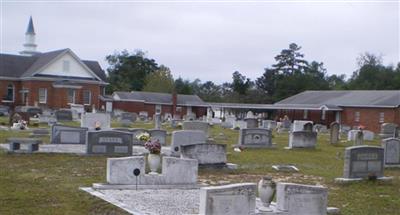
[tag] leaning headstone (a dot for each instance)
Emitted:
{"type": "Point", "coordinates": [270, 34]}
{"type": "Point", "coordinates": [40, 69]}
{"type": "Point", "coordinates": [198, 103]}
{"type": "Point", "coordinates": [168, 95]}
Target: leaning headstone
{"type": "Point", "coordinates": [157, 121]}
{"type": "Point", "coordinates": [196, 125]}
{"type": "Point", "coordinates": [89, 120]}
{"type": "Point", "coordinates": [232, 199]}
{"type": "Point", "coordinates": [186, 137]}
{"type": "Point", "coordinates": [388, 130]}
{"type": "Point", "coordinates": [302, 139]}
{"type": "Point", "coordinates": [359, 138]}
{"type": "Point", "coordinates": [160, 135]}
{"type": "Point", "coordinates": [64, 115]}
{"type": "Point", "coordinates": [255, 138]}
{"type": "Point", "coordinates": [334, 133]}
{"type": "Point", "coordinates": [361, 162]}
{"type": "Point", "coordinates": [205, 153]}
{"type": "Point", "coordinates": [299, 199]}
{"type": "Point", "coordinates": [61, 134]}
{"type": "Point", "coordinates": [109, 142]}
{"type": "Point", "coordinates": [251, 122]}
{"type": "Point", "coordinates": [392, 151]}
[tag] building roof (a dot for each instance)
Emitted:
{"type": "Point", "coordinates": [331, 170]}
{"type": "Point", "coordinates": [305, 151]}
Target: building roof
{"type": "Point", "coordinates": [241, 105]}
{"type": "Point", "coordinates": [17, 66]}
{"type": "Point", "coordinates": [343, 98]}
{"type": "Point", "coordinates": [159, 98]}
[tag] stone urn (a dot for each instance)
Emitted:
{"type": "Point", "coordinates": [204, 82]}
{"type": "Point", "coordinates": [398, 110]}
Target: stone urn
{"type": "Point", "coordinates": [266, 192]}
{"type": "Point", "coordinates": [154, 161]}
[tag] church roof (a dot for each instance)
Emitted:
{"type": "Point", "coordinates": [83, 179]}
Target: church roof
{"type": "Point", "coordinates": [17, 66]}
{"type": "Point", "coordinates": [30, 29]}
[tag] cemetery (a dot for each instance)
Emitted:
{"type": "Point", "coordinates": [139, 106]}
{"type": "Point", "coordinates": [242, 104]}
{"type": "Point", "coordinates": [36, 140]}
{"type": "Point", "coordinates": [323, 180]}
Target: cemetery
{"type": "Point", "coordinates": [101, 163]}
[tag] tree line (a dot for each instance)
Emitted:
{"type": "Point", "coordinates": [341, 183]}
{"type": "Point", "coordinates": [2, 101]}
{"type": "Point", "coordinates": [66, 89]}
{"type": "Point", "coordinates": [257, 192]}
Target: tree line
{"type": "Point", "coordinates": [289, 75]}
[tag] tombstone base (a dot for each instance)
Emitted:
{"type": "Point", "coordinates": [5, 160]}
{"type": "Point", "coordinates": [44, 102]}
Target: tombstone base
{"type": "Point", "coordinates": [352, 180]}
{"type": "Point", "coordinates": [106, 186]}
{"type": "Point", "coordinates": [392, 165]}
{"type": "Point", "coordinates": [288, 147]}
{"type": "Point", "coordinates": [230, 166]}
{"type": "Point", "coordinates": [254, 146]}
{"type": "Point", "coordinates": [272, 210]}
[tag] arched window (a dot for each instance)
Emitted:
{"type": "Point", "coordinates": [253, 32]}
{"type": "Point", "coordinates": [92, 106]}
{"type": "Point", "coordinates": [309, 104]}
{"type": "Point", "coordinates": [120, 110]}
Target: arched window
{"type": "Point", "coordinates": [10, 93]}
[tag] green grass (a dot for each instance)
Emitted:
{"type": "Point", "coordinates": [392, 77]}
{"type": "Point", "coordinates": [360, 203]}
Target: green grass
{"type": "Point", "coordinates": [48, 183]}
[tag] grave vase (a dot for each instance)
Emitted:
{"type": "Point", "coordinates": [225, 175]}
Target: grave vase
{"type": "Point", "coordinates": [154, 162]}
{"type": "Point", "coordinates": [266, 192]}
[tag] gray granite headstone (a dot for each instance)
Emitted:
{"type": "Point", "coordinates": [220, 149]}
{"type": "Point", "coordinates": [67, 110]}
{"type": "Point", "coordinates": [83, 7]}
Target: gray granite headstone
{"type": "Point", "coordinates": [205, 153]}
{"type": "Point", "coordinates": [157, 121]}
{"type": "Point", "coordinates": [389, 130]}
{"type": "Point", "coordinates": [255, 138]}
{"type": "Point", "coordinates": [233, 199]}
{"type": "Point", "coordinates": [89, 120]}
{"type": "Point", "coordinates": [392, 151]}
{"type": "Point", "coordinates": [362, 161]}
{"type": "Point", "coordinates": [334, 133]}
{"type": "Point", "coordinates": [109, 142]}
{"type": "Point", "coordinates": [251, 122]}
{"type": "Point", "coordinates": [61, 134]}
{"type": "Point", "coordinates": [269, 124]}
{"type": "Point", "coordinates": [298, 199]}
{"type": "Point", "coordinates": [196, 125]}
{"type": "Point", "coordinates": [63, 115]}
{"type": "Point", "coordinates": [186, 137]}
{"type": "Point", "coordinates": [302, 139]}
{"type": "Point", "coordinates": [160, 135]}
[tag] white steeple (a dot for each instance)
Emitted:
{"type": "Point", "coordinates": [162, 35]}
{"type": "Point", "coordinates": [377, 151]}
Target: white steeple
{"type": "Point", "coordinates": [29, 45]}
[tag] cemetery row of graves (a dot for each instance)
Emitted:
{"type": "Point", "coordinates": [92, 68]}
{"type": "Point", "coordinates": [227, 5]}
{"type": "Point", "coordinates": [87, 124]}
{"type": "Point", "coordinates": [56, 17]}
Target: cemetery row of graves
{"type": "Point", "coordinates": [101, 164]}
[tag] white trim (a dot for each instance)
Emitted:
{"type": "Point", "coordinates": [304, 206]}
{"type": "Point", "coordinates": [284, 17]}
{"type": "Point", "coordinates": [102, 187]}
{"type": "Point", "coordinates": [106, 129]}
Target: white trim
{"type": "Point", "coordinates": [66, 86]}
{"type": "Point", "coordinates": [45, 96]}
{"type": "Point", "coordinates": [57, 79]}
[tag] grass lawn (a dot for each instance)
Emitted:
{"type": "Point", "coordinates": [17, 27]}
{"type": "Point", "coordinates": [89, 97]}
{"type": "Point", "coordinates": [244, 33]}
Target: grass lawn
{"type": "Point", "coordinates": [48, 183]}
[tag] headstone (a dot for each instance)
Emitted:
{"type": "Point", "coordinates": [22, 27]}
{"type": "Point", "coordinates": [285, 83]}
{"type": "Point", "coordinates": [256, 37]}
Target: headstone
{"type": "Point", "coordinates": [89, 120]}
{"type": "Point", "coordinates": [63, 115]}
{"type": "Point", "coordinates": [77, 109]}
{"type": "Point", "coordinates": [392, 151]}
{"type": "Point", "coordinates": [143, 115]}
{"type": "Point", "coordinates": [300, 199]}
{"type": "Point", "coordinates": [362, 161]}
{"type": "Point", "coordinates": [251, 122]}
{"type": "Point", "coordinates": [109, 142]}
{"type": "Point", "coordinates": [61, 134]}
{"type": "Point", "coordinates": [302, 139]}
{"type": "Point", "coordinates": [226, 125]}
{"type": "Point", "coordinates": [4, 110]}
{"type": "Point", "coordinates": [240, 124]}
{"type": "Point", "coordinates": [32, 111]}
{"type": "Point", "coordinates": [334, 133]}
{"type": "Point", "coordinates": [127, 118]}
{"type": "Point", "coordinates": [205, 153]}
{"type": "Point", "coordinates": [196, 125]}
{"type": "Point", "coordinates": [269, 124]}
{"type": "Point", "coordinates": [250, 114]}
{"type": "Point", "coordinates": [298, 125]}
{"type": "Point", "coordinates": [186, 137]}
{"type": "Point", "coordinates": [160, 135]}
{"type": "Point", "coordinates": [233, 199]}
{"type": "Point", "coordinates": [157, 121]}
{"type": "Point", "coordinates": [135, 132]}
{"type": "Point", "coordinates": [359, 138]}
{"type": "Point", "coordinates": [367, 135]}
{"type": "Point", "coordinates": [308, 127]}
{"type": "Point", "coordinates": [320, 128]}
{"type": "Point", "coordinates": [41, 132]}
{"type": "Point", "coordinates": [388, 130]}
{"type": "Point", "coordinates": [255, 138]}
{"type": "Point", "coordinates": [345, 129]}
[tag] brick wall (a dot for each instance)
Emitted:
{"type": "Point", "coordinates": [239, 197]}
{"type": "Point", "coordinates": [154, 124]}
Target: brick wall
{"type": "Point", "coordinates": [56, 97]}
{"type": "Point", "coordinates": [369, 117]}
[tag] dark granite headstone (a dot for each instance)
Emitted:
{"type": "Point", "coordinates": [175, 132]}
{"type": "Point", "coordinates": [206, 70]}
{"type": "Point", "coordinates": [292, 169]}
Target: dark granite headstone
{"type": "Point", "coordinates": [392, 151]}
{"type": "Point", "coordinates": [363, 161]}
{"type": "Point", "coordinates": [109, 142]}
{"type": "Point", "coordinates": [334, 133]}
{"type": "Point", "coordinates": [308, 127]}
{"type": "Point", "coordinates": [61, 134]}
{"type": "Point", "coordinates": [64, 115]}
{"type": "Point", "coordinates": [255, 138]}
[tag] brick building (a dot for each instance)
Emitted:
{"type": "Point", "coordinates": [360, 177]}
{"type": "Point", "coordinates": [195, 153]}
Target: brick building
{"type": "Point", "coordinates": [369, 108]}
{"type": "Point", "coordinates": [52, 80]}
{"type": "Point", "coordinates": [150, 102]}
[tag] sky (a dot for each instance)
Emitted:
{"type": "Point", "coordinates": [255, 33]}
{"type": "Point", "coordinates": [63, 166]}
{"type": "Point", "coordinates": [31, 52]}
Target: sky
{"type": "Point", "coordinates": [209, 40]}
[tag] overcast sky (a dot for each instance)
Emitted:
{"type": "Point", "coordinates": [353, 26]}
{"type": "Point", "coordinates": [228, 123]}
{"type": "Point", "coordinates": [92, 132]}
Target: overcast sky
{"type": "Point", "coordinates": [207, 40]}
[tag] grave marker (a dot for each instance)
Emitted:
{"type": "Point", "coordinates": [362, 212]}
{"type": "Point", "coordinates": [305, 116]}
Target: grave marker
{"type": "Point", "coordinates": [109, 142]}
{"type": "Point", "coordinates": [61, 134]}
{"type": "Point", "coordinates": [255, 138]}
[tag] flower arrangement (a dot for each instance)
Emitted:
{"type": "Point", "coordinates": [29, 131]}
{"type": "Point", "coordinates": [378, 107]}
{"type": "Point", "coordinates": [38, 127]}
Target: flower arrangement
{"type": "Point", "coordinates": [143, 136]}
{"type": "Point", "coordinates": [154, 147]}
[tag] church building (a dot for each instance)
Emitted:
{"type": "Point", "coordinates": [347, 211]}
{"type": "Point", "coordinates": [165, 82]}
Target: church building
{"type": "Point", "coordinates": [54, 79]}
